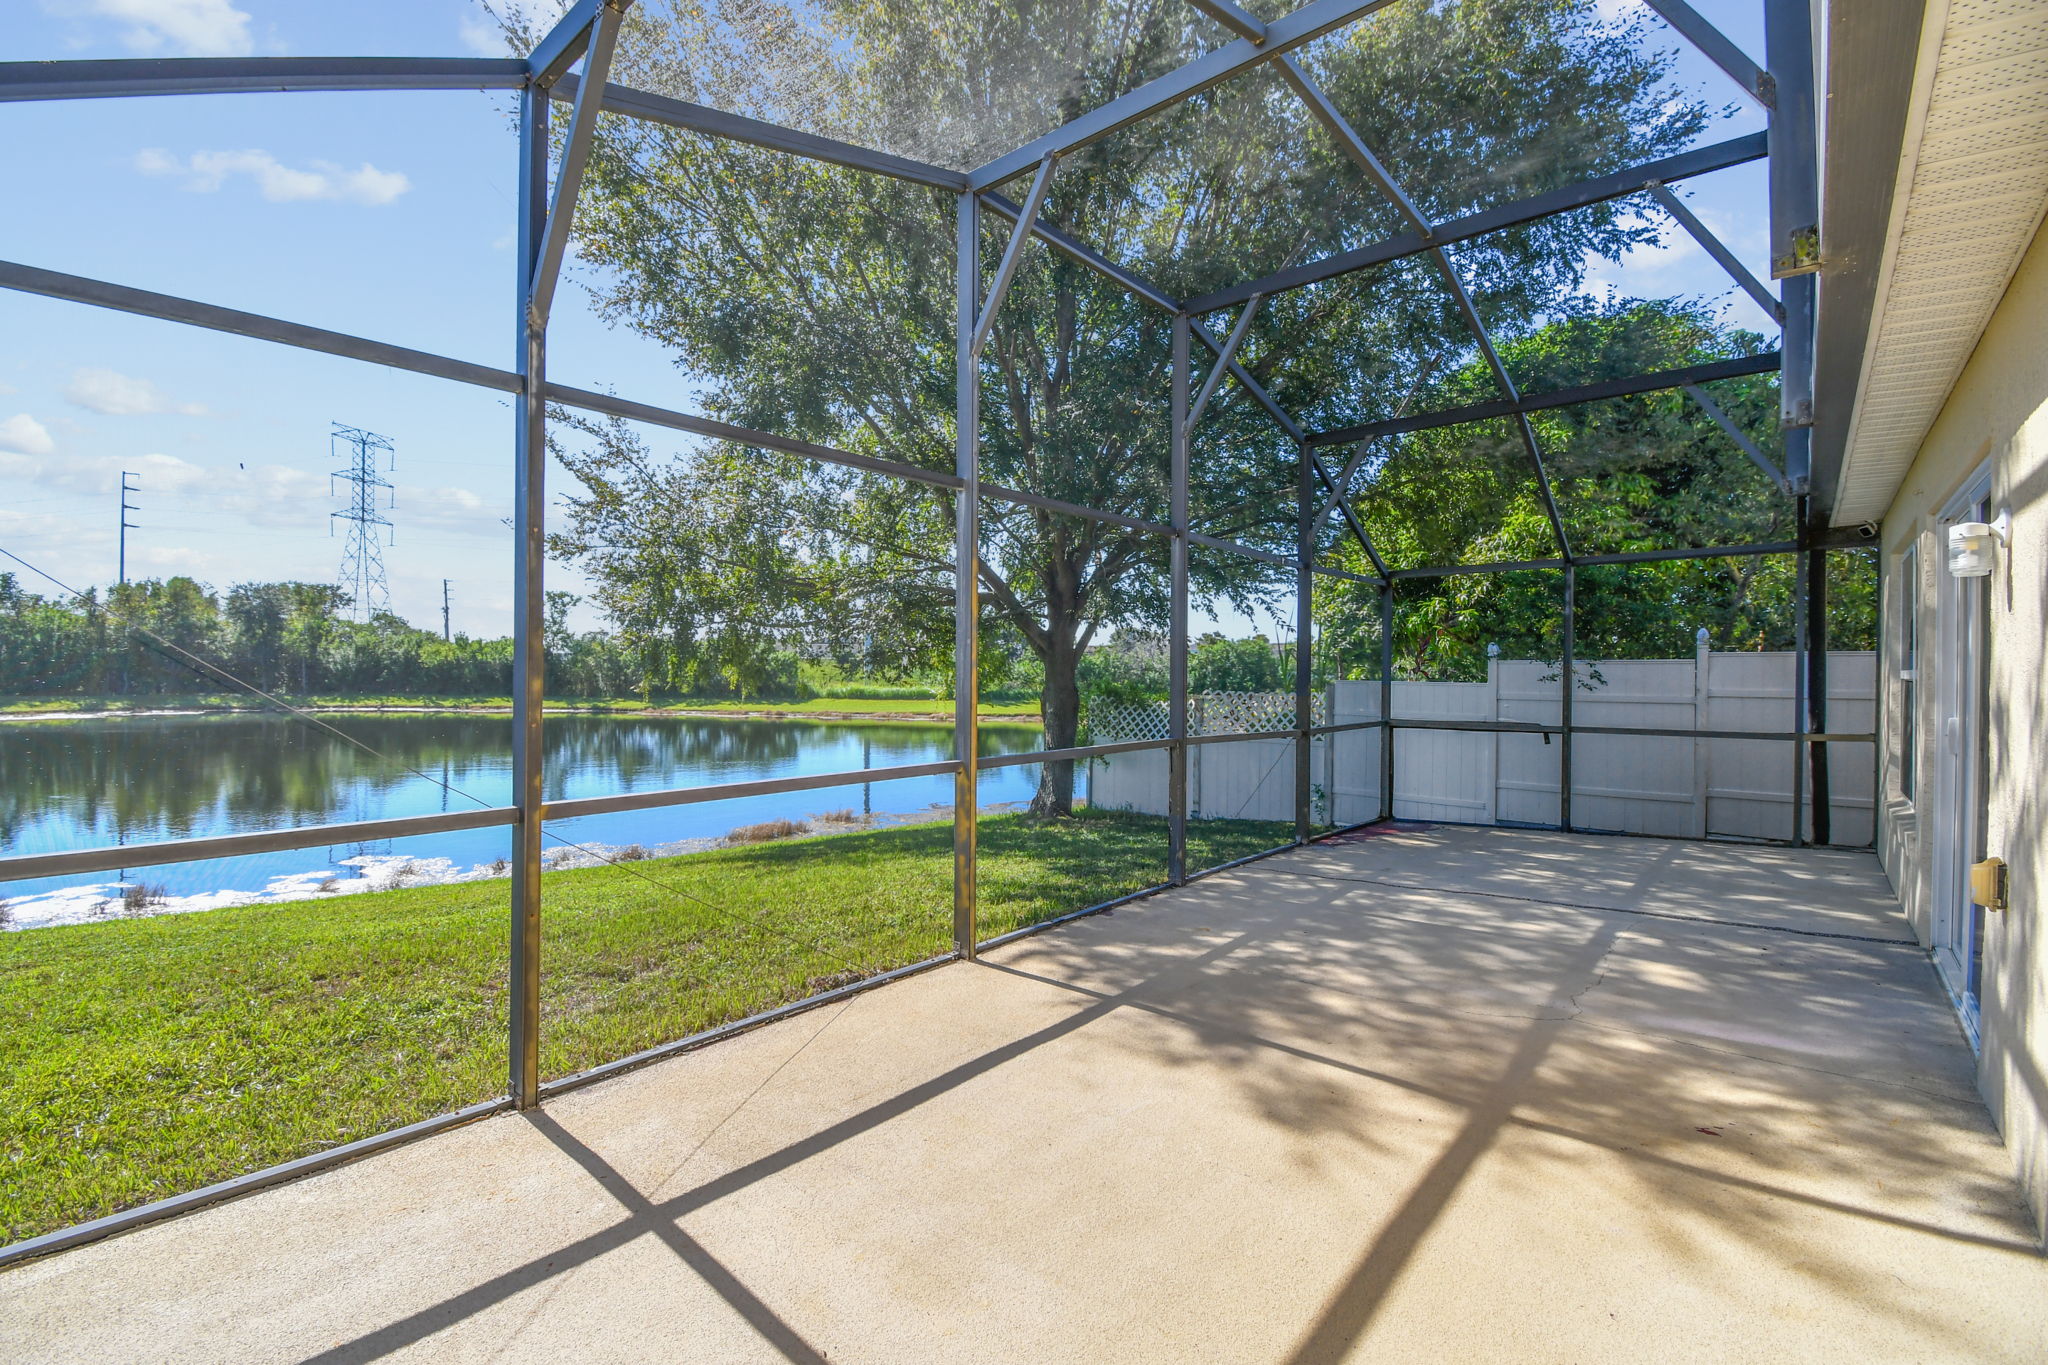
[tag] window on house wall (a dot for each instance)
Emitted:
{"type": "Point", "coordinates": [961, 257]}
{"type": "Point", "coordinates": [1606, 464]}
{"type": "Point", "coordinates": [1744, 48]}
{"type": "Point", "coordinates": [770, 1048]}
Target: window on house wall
{"type": "Point", "coordinates": [1906, 596]}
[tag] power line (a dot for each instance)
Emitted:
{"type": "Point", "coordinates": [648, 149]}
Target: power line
{"type": "Point", "coordinates": [362, 560]}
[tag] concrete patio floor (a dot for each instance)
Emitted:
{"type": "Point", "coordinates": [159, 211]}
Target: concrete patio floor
{"type": "Point", "coordinates": [1444, 1094]}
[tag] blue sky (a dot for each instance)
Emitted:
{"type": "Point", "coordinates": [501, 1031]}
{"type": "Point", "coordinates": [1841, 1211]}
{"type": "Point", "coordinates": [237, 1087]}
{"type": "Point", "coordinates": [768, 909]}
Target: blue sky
{"type": "Point", "coordinates": [385, 215]}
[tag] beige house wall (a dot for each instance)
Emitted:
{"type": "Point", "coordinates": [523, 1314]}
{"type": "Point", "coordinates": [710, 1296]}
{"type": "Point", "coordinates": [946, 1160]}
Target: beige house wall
{"type": "Point", "coordinates": [1998, 412]}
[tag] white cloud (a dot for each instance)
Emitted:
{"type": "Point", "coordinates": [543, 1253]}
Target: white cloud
{"type": "Point", "coordinates": [205, 172]}
{"type": "Point", "coordinates": [24, 435]}
{"type": "Point", "coordinates": [483, 37]}
{"type": "Point", "coordinates": [452, 509]}
{"type": "Point", "coordinates": [113, 394]}
{"type": "Point", "coordinates": [194, 28]}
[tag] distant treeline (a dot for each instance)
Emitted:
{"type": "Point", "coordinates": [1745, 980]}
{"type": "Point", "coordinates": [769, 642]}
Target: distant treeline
{"type": "Point", "coordinates": [144, 638]}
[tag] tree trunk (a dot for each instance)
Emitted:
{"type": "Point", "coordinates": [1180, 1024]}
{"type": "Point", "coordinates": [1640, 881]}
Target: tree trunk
{"type": "Point", "coordinates": [1060, 707]}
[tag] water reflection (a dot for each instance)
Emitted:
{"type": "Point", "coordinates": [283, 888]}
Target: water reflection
{"type": "Point", "coordinates": [92, 783]}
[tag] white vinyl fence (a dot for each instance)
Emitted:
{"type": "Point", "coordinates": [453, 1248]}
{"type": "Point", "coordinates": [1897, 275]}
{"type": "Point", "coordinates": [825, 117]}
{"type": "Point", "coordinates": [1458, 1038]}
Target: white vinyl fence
{"type": "Point", "coordinates": [1636, 784]}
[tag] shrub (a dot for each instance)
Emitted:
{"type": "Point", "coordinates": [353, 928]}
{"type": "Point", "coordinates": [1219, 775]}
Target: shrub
{"type": "Point", "coordinates": [632, 853]}
{"type": "Point", "coordinates": [768, 830]}
{"type": "Point", "coordinates": [139, 898]}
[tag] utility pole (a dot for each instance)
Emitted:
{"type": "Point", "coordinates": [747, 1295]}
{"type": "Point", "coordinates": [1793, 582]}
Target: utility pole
{"type": "Point", "coordinates": [126, 508]}
{"type": "Point", "coordinates": [444, 611]}
{"type": "Point", "coordinates": [362, 561]}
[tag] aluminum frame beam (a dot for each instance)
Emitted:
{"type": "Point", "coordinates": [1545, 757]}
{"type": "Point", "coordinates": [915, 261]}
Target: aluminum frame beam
{"type": "Point", "coordinates": [967, 574]}
{"type": "Point", "coordinates": [1839, 539]}
{"type": "Point", "coordinates": [1699, 161]}
{"type": "Point", "coordinates": [1083, 253]}
{"type": "Point", "coordinates": [1737, 435]}
{"type": "Point", "coordinates": [1714, 247]}
{"type": "Point", "coordinates": [529, 601]}
{"type": "Point", "coordinates": [697, 118]}
{"type": "Point", "coordinates": [1716, 47]}
{"type": "Point", "coordinates": [113, 857]}
{"type": "Point", "coordinates": [1340, 503]}
{"type": "Point", "coordinates": [1557, 398]}
{"type": "Point", "coordinates": [1013, 256]}
{"type": "Point", "coordinates": [569, 39]}
{"type": "Point", "coordinates": [602, 39]}
{"type": "Point", "coordinates": [1283, 35]}
{"type": "Point", "coordinates": [1239, 21]}
{"type": "Point", "coordinates": [1144, 289]}
{"type": "Point", "coordinates": [1795, 219]}
{"type": "Point", "coordinates": [1179, 608]}
{"type": "Point", "coordinates": [55, 284]}
{"type": "Point", "coordinates": [129, 77]}
{"type": "Point", "coordinates": [1326, 113]}
{"type": "Point", "coordinates": [1226, 359]}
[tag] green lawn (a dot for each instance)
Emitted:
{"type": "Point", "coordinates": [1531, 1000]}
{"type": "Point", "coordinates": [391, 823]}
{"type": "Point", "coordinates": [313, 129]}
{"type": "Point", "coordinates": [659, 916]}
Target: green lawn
{"type": "Point", "coordinates": [229, 701]}
{"type": "Point", "coordinates": [145, 1057]}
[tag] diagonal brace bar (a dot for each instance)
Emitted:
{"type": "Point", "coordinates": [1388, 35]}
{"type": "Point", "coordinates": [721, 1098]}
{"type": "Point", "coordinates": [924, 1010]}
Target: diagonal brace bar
{"type": "Point", "coordinates": [1013, 255]}
{"type": "Point", "coordinates": [1715, 46]}
{"type": "Point", "coordinates": [547, 269]}
{"type": "Point", "coordinates": [1737, 435]}
{"type": "Point", "coordinates": [1354, 146]}
{"type": "Point", "coordinates": [1342, 504]}
{"type": "Point", "coordinates": [1339, 127]}
{"type": "Point", "coordinates": [1704, 235]}
{"type": "Point", "coordinates": [1683, 165]}
{"type": "Point", "coordinates": [1258, 393]}
{"type": "Point", "coordinates": [564, 43]}
{"type": "Point", "coordinates": [1250, 385]}
{"type": "Point", "coordinates": [1225, 360]}
{"type": "Point", "coordinates": [1234, 18]}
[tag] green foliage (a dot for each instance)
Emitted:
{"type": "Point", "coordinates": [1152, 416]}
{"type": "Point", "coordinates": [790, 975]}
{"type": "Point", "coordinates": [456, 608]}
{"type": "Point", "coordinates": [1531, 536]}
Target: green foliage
{"type": "Point", "coordinates": [1130, 668]}
{"type": "Point", "coordinates": [176, 636]}
{"type": "Point", "coordinates": [1647, 472]}
{"type": "Point", "coordinates": [1217, 664]}
{"type": "Point", "coordinates": [818, 303]}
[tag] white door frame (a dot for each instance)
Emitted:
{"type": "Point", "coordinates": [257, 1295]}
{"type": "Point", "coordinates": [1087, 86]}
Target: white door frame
{"type": "Point", "coordinates": [1953, 824]}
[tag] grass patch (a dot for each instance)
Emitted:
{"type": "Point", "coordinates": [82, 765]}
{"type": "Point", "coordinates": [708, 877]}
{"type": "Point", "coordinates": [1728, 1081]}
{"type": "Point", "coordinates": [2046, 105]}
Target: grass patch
{"type": "Point", "coordinates": [151, 1056]}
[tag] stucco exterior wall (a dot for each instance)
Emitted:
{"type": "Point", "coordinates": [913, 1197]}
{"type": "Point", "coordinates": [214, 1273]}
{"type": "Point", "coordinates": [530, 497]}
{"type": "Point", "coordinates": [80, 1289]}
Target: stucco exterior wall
{"type": "Point", "coordinates": [1998, 412]}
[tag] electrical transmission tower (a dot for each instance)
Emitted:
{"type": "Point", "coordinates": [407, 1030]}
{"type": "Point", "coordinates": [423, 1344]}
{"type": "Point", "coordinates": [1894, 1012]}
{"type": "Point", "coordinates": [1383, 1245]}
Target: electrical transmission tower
{"type": "Point", "coordinates": [126, 508]}
{"type": "Point", "coordinates": [362, 560]}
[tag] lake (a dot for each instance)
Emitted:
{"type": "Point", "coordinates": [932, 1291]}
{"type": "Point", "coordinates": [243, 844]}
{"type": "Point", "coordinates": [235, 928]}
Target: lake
{"type": "Point", "coordinates": [142, 779]}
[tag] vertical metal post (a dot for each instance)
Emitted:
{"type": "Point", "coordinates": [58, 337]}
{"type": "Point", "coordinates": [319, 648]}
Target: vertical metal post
{"type": "Point", "coordinates": [1799, 590]}
{"type": "Point", "coordinates": [1177, 630]}
{"type": "Point", "coordinates": [1881, 701]}
{"type": "Point", "coordinates": [966, 568]}
{"type": "Point", "coordinates": [529, 656]}
{"type": "Point", "coordinates": [1571, 686]}
{"type": "Point", "coordinates": [1304, 627]}
{"type": "Point", "coordinates": [1817, 690]}
{"type": "Point", "coordinates": [1387, 699]}
{"type": "Point", "coordinates": [1795, 215]}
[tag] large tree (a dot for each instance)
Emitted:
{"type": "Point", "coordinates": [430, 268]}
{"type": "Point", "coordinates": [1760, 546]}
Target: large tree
{"type": "Point", "coordinates": [817, 302]}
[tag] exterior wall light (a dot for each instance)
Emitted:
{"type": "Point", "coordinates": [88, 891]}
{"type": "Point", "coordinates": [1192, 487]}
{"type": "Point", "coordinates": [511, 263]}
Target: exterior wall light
{"type": "Point", "coordinates": [1973, 548]}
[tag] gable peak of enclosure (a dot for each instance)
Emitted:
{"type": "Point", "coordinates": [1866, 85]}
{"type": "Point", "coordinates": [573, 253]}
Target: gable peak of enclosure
{"type": "Point", "coordinates": [1237, 308]}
